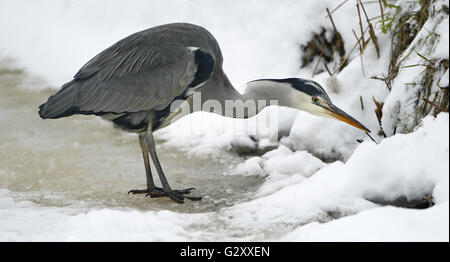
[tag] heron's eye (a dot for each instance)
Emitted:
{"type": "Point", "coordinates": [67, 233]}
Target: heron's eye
{"type": "Point", "coordinates": [315, 99]}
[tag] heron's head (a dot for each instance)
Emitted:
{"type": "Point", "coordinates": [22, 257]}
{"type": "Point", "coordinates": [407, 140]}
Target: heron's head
{"type": "Point", "coordinates": [305, 95]}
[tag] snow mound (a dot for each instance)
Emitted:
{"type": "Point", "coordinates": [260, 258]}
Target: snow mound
{"type": "Point", "coordinates": [404, 166]}
{"type": "Point", "coordinates": [381, 224]}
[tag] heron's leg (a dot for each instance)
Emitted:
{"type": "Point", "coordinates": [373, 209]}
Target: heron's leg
{"type": "Point", "coordinates": [176, 195]}
{"type": "Point", "coordinates": [151, 188]}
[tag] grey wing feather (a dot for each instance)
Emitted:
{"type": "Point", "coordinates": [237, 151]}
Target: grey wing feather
{"type": "Point", "coordinates": [130, 76]}
{"type": "Point", "coordinates": [139, 75]}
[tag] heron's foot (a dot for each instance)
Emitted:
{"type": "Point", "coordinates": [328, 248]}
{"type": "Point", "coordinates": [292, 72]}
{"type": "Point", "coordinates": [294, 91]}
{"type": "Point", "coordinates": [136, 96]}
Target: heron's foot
{"type": "Point", "coordinates": [154, 190]}
{"type": "Point", "coordinates": [176, 195]}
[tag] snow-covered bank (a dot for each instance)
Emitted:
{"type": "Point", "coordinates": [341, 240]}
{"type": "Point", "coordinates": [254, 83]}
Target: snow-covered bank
{"type": "Point", "coordinates": [405, 166]}
{"type": "Point", "coordinates": [386, 224]}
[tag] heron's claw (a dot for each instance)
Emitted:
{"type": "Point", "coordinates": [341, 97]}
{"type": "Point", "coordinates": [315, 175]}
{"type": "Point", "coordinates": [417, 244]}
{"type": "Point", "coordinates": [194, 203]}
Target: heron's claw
{"type": "Point", "coordinates": [176, 195]}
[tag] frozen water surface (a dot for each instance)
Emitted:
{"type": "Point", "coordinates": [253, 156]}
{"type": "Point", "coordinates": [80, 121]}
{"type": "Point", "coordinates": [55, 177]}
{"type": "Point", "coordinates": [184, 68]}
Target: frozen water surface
{"type": "Point", "coordinates": [84, 161]}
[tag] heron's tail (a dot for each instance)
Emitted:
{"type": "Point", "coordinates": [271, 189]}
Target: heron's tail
{"type": "Point", "coordinates": [60, 104]}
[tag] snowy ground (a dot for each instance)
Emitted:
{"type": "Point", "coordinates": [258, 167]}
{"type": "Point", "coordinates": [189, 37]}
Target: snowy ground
{"type": "Point", "coordinates": [317, 184]}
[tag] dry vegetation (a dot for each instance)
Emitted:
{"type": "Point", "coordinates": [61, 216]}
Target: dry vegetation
{"type": "Point", "coordinates": [403, 27]}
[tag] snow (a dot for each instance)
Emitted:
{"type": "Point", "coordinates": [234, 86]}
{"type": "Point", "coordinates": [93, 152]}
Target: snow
{"type": "Point", "coordinates": [442, 47]}
{"type": "Point", "coordinates": [385, 224]}
{"type": "Point", "coordinates": [374, 172]}
{"type": "Point", "coordinates": [319, 182]}
{"type": "Point", "coordinates": [444, 80]}
{"type": "Point", "coordinates": [86, 28]}
{"type": "Point", "coordinates": [24, 221]}
{"type": "Point", "coordinates": [400, 104]}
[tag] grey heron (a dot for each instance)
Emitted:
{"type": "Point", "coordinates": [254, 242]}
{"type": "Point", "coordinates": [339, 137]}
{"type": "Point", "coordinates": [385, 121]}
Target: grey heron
{"type": "Point", "coordinates": [135, 83]}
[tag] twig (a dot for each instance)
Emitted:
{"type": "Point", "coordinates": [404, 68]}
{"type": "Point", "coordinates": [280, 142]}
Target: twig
{"type": "Point", "coordinates": [382, 12]}
{"type": "Point", "coordinates": [378, 110]}
{"type": "Point", "coordinates": [384, 79]}
{"type": "Point", "coordinates": [362, 104]}
{"type": "Point", "coordinates": [328, 70]}
{"type": "Point", "coordinates": [357, 40]}
{"type": "Point", "coordinates": [379, 114]}
{"type": "Point", "coordinates": [370, 2]}
{"type": "Point", "coordinates": [435, 104]}
{"type": "Point", "coordinates": [360, 25]}
{"type": "Point", "coordinates": [348, 55]}
{"type": "Point", "coordinates": [441, 87]}
{"type": "Point", "coordinates": [332, 22]}
{"type": "Point", "coordinates": [364, 10]}
{"type": "Point", "coordinates": [318, 60]}
{"type": "Point", "coordinates": [378, 16]}
{"type": "Point", "coordinates": [336, 8]}
{"type": "Point", "coordinates": [438, 107]}
{"type": "Point", "coordinates": [360, 53]}
{"type": "Point", "coordinates": [373, 36]}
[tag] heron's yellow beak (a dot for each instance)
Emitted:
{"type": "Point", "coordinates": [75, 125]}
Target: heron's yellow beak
{"type": "Point", "coordinates": [335, 112]}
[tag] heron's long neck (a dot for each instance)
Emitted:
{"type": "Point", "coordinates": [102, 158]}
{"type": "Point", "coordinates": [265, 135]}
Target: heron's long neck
{"type": "Point", "coordinates": [220, 97]}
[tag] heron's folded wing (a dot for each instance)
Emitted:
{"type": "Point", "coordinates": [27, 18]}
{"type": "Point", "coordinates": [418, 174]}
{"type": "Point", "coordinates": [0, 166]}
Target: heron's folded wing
{"type": "Point", "coordinates": [130, 76]}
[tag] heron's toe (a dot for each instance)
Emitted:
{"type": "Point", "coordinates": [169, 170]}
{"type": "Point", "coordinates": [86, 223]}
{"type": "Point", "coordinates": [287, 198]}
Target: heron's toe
{"type": "Point", "coordinates": [159, 192]}
{"type": "Point", "coordinates": [193, 198]}
{"type": "Point", "coordinates": [156, 194]}
{"type": "Point", "coordinates": [155, 190]}
{"type": "Point", "coordinates": [176, 197]}
{"type": "Point", "coordinates": [183, 191]}
{"type": "Point", "coordinates": [137, 191]}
